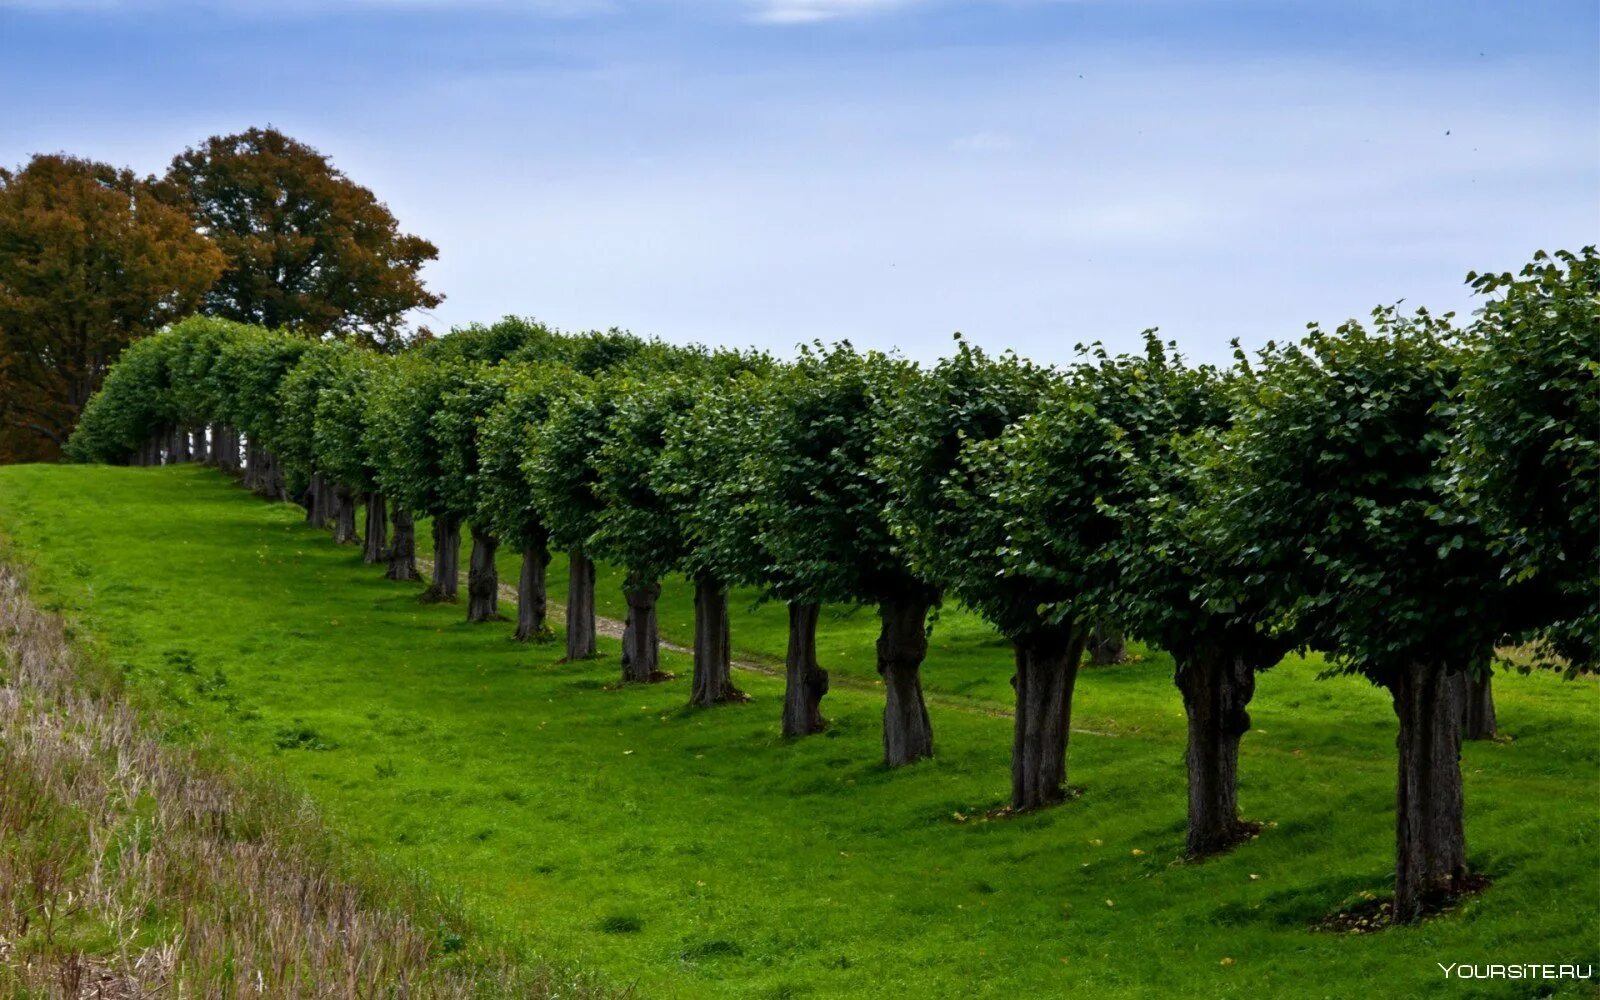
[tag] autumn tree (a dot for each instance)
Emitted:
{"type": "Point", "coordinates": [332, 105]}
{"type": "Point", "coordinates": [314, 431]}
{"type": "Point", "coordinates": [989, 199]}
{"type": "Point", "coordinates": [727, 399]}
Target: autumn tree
{"type": "Point", "coordinates": [305, 247]}
{"type": "Point", "coordinates": [91, 258]}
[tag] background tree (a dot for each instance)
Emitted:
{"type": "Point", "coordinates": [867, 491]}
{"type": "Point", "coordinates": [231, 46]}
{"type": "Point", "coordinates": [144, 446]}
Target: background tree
{"type": "Point", "coordinates": [943, 490]}
{"type": "Point", "coordinates": [505, 501]}
{"type": "Point", "coordinates": [1334, 495]}
{"type": "Point", "coordinates": [91, 258]}
{"type": "Point", "coordinates": [305, 247]}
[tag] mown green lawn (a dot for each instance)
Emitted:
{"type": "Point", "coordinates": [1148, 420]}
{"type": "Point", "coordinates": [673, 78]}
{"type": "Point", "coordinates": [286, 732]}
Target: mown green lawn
{"type": "Point", "coordinates": [699, 854]}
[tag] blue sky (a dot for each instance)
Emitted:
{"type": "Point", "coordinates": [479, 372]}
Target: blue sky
{"type": "Point", "coordinates": [1031, 172]}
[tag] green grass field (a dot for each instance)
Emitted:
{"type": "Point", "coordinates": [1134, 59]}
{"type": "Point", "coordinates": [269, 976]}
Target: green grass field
{"type": "Point", "coordinates": [699, 854]}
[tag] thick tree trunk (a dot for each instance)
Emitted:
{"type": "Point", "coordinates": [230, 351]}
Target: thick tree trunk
{"type": "Point", "coordinates": [344, 517]}
{"type": "Point", "coordinates": [580, 606]}
{"type": "Point", "coordinates": [1106, 646]}
{"type": "Point", "coordinates": [1046, 672]}
{"type": "Point", "coordinates": [376, 540]}
{"type": "Point", "coordinates": [178, 449]}
{"type": "Point", "coordinates": [713, 659]}
{"type": "Point", "coordinates": [902, 646]}
{"type": "Point", "coordinates": [272, 486]}
{"type": "Point", "coordinates": [201, 452]}
{"type": "Point", "coordinates": [312, 501]}
{"type": "Point", "coordinates": [1430, 835]}
{"type": "Point", "coordinates": [1478, 722]}
{"type": "Point", "coordinates": [483, 579]}
{"type": "Point", "coordinates": [402, 552]}
{"type": "Point", "coordinates": [805, 683]}
{"type": "Point", "coordinates": [1217, 685]}
{"type": "Point", "coordinates": [641, 638]}
{"type": "Point", "coordinates": [530, 593]}
{"type": "Point", "coordinates": [446, 560]}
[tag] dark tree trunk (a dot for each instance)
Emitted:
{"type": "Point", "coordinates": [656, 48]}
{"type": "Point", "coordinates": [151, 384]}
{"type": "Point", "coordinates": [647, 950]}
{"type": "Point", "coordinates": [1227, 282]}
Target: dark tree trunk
{"type": "Point", "coordinates": [1106, 646]}
{"type": "Point", "coordinates": [312, 500]}
{"type": "Point", "coordinates": [229, 460]}
{"type": "Point", "coordinates": [1478, 721]}
{"type": "Point", "coordinates": [713, 659]}
{"type": "Point", "coordinates": [252, 466]}
{"type": "Point", "coordinates": [178, 450]}
{"type": "Point", "coordinates": [271, 486]}
{"type": "Point", "coordinates": [1430, 836]}
{"type": "Point", "coordinates": [902, 645]}
{"type": "Point", "coordinates": [805, 683]}
{"type": "Point", "coordinates": [446, 560]}
{"type": "Point", "coordinates": [402, 552]}
{"type": "Point", "coordinates": [376, 541]}
{"type": "Point", "coordinates": [1217, 685]}
{"type": "Point", "coordinates": [483, 579]}
{"type": "Point", "coordinates": [344, 517]}
{"type": "Point", "coordinates": [530, 593]}
{"type": "Point", "coordinates": [641, 638]}
{"type": "Point", "coordinates": [580, 606]}
{"type": "Point", "coordinates": [201, 451]}
{"type": "Point", "coordinates": [1046, 672]}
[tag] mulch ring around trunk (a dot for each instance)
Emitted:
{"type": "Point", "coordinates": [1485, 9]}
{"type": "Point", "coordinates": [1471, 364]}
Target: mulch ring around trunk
{"type": "Point", "coordinates": [1374, 913]}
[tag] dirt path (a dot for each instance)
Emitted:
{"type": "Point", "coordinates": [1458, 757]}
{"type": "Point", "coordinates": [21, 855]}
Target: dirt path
{"type": "Point", "coordinates": [613, 628]}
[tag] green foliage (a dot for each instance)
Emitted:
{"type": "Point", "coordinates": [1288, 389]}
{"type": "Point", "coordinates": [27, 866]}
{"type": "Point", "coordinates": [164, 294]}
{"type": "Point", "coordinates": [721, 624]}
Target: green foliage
{"type": "Point", "coordinates": [340, 440]}
{"type": "Point", "coordinates": [1331, 494]}
{"type": "Point", "coordinates": [504, 497]}
{"type": "Point", "coordinates": [513, 337]}
{"type": "Point", "coordinates": [560, 465]}
{"type": "Point", "coordinates": [294, 441]}
{"type": "Point", "coordinates": [404, 397]}
{"type": "Point", "coordinates": [247, 375]}
{"type": "Point", "coordinates": [937, 492]}
{"type": "Point", "coordinates": [197, 345]}
{"type": "Point", "coordinates": [1529, 443]}
{"type": "Point", "coordinates": [473, 392]}
{"type": "Point", "coordinates": [134, 403]}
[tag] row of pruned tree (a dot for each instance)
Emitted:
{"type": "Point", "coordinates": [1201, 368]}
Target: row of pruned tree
{"type": "Point", "coordinates": [1405, 496]}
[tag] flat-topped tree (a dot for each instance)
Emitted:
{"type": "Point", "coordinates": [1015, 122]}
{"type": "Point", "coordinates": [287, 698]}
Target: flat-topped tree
{"type": "Point", "coordinates": [463, 406]}
{"type": "Point", "coordinates": [296, 445]}
{"type": "Point", "coordinates": [196, 395]}
{"type": "Point", "coordinates": [248, 372]}
{"type": "Point", "coordinates": [405, 396]}
{"type": "Point", "coordinates": [511, 338]}
{"type": "Point", "coordinates": [942, 510]}
{"type": "Point", "coordinates": [129, 418]}
{"type": "Point", "coordinates": [559, 467]}
{"type": "Point", "coordinates": [505, 501]}
{"type": "Point", "coordinates": [1162, 560]}
{"type": "Point", "coordinates": [339, 446]}
{"type": "Point", "coordinates": [1528, 451]}
{"type": "Point", "coordinates": [819, 512]}
{"type": "Point", "coordinates": [638, 525]}
{"type": "Point", "coordinates": [1333, 494]}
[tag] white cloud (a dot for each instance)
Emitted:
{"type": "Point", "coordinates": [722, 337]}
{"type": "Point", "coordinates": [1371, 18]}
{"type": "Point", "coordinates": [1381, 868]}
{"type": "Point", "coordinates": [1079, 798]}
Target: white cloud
{"type": "Point", "coordinates": [812, 11]}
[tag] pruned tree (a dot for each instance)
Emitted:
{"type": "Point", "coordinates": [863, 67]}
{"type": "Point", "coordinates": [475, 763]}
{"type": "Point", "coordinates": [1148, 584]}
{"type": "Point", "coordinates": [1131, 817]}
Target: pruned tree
{"type": "Point", "coordinates": [1528, 455]}
{"type": "Point", "coordinates": [339, 448]}
{"type": "Point", "coordinates": [326, 502]}
{"type": "Point", "coordinates": [1333, 496]}
{"type": "Point", "coordinates": [505, 500]}
{"type": "Point", "coordinates": [473, 393]}
{"type": "Point", "coordinates": [934, 458]}
{"type": "Point", "coordinates": [406, 454]}
{"type": "Point", "coordinates": [560, 472]}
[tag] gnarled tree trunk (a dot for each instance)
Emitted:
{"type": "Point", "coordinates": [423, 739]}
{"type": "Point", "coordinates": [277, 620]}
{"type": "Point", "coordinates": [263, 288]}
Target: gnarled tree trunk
{"type": "Point", "coordinates": [1430, 835]}
{"type": "Point", "coordinates": [641, 639]}
{"type": "Point", "coordinates": [713, 659]}
{"type": "Point", "coordinates": [580, 606]}
{"type": "Point", "coordinates": [402, 552]}
{"type": "Point", "coordinates": [446, 560]}
{"type": "Point", "coordinates": [1217, 685]}
{"type": "Point", "coordinates": [902, 646]}
{"type": "Point", "coordinates": [1046, 671]}
{"type": "Point", "coordinates": [344, 517]}
{"type": "Point", "coordinates": [1106, 646]}
{"type": "Point", "coordinates": [804, 682]}
{"type": "Point", "coordinates": [530, 593]}
{"type": "Point", "coordinates": [483, 579]}
{"type": "Point", "coordinates": [1478, 722]}
{"type": "Point", "coordinates": [376, 541]}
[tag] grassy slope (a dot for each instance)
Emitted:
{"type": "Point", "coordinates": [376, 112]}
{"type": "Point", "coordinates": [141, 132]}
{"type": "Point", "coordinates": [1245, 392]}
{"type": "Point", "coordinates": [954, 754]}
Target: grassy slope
{"type": "Point", "coordinates": [754, 867]}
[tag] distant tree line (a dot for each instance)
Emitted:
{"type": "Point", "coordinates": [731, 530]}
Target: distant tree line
{"type": "Point", "coordinates": [1405, 496]}
{"type": "Point", "coordinates": [254, 227]}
